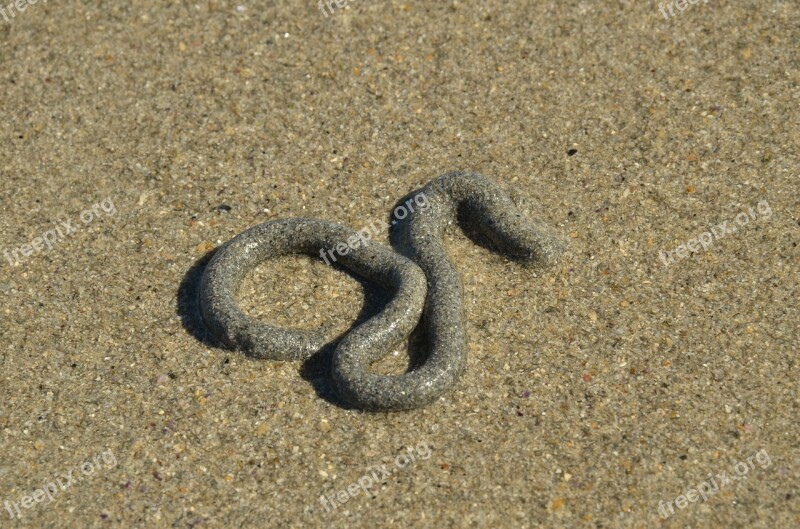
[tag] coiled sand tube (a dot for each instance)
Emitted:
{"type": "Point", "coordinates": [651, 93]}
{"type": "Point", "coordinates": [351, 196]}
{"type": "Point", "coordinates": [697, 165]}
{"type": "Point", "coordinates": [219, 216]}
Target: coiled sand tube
{"type": "Point", "coordinates": [426, 269]}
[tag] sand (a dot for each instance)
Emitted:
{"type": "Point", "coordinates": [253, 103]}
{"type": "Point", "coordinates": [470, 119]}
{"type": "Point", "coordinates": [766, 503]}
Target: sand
{"type": "Point", "coordinates": [598, 392]}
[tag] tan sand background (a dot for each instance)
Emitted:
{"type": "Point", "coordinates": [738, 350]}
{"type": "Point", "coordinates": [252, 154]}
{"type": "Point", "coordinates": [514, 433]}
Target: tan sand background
{"type": "Point", "coordinates": [595, 389]}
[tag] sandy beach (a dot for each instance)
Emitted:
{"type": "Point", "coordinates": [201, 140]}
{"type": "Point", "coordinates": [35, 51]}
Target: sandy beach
{"type": "Point", "coordinates": [647, 379]}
